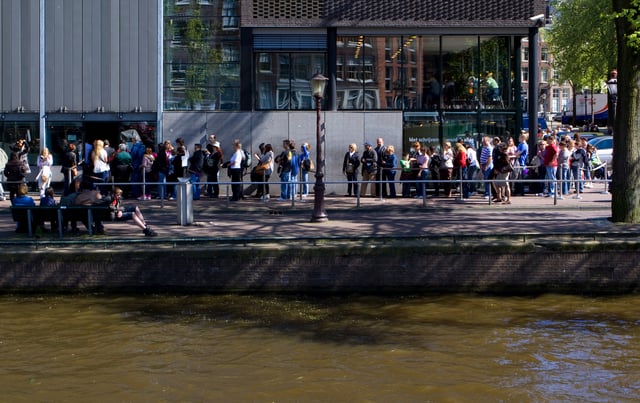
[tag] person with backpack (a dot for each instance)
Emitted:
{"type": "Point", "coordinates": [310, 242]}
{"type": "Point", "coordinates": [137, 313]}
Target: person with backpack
{"type": "Point", "coordinates": [306, 166]}
{"type": "Point", "coordinates": [295, 168]}
{"type": "Point", "coordinates": [284, 170]}
{"type": "Point", "coordinates": [434, 164]}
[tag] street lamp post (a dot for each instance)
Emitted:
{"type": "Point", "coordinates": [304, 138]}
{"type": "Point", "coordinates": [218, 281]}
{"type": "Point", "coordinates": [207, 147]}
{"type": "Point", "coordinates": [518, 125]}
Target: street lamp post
{"type": "Point", "coordinates": [318, 83]}
{"type": "Point", "coordinates": [612, 90]}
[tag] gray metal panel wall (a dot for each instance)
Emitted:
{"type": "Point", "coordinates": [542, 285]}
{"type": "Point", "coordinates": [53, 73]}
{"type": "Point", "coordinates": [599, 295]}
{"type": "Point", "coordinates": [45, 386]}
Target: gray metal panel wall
{"type": "Point", "coordinates": [101, 54]}
{"type": "Point", "coordinates": [19, 69]}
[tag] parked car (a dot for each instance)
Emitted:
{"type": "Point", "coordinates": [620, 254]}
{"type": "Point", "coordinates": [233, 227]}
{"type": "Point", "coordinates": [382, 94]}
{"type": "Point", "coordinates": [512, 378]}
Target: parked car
{"type": "Point", "coordinates": [604, 147]}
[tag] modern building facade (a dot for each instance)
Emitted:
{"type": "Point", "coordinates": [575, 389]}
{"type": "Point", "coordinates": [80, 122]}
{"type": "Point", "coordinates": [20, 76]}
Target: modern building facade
{"type": "Point", "coordinates": [409, 70]}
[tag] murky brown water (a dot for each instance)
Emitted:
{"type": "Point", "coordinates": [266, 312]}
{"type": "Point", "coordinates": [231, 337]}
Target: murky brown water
{"type": "Point", "coordinates": [279, 349]}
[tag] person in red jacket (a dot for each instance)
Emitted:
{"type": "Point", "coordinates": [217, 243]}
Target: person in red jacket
{"type": "Point", "coordinates": [551, 165]}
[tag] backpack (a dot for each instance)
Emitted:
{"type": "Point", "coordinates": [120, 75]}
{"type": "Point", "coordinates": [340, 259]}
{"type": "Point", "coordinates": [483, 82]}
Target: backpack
{"type": "Point", "coordinates": [307, 165]}
{"type": "Point", "coordinates": [436, 161]}
{"type": "Point", "coordinates": [210, 162]}
{"type": "Point", "coordinates": [246, 161]}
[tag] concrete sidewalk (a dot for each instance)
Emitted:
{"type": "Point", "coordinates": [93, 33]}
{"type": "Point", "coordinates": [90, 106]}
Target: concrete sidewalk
{"type": "Point", "coordinates": [252, 219]}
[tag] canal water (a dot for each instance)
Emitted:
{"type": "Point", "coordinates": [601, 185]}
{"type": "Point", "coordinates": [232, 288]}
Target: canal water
{"type": "Point", "coordinates": [447, 348]}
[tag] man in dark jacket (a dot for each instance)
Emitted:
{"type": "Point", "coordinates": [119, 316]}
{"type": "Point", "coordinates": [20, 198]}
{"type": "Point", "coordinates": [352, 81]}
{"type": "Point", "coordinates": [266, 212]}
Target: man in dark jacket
{"type": "Point", "coordinates": [196, 163]}
{"type": "Point", "coordinates": [15, 171]}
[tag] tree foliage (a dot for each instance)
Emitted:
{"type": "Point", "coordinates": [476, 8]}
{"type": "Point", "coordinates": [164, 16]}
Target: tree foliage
{"type": "Point", "coordinates": [582, 40]}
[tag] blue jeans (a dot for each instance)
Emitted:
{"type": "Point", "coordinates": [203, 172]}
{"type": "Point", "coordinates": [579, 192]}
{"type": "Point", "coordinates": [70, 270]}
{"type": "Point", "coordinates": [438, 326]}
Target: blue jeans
{"type": "Point", "coordinates": [577, 177]}
{"type": "Point", "coordinates": [195, 181]}
{"type": "Point", "coordinates": [285, 186]}
{"type": "Point", "coordinates": [550, 178]}
{"type": "Point", "coordinates": [162, 188]}
{"type": "Point", "coordinates": [304, 178]}
{"type": "Point", "coordinates": [486, 173]}
{"type": "Point", "coordinates": [469, 187]}
{"type": "Point", "coordinates": [564, 177]}
{"type": "Point", "coordinates": [421, 187]}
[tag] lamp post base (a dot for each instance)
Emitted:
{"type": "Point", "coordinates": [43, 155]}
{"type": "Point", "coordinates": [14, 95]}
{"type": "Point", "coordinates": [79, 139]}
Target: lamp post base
{"type": "Point", "coordinates": [319, 213]}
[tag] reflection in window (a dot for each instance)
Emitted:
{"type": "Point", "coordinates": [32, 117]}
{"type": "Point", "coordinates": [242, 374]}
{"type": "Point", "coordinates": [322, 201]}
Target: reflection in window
{"type": "Point", "coordinates": [282, 79]}
{"type": "Point", "coordinates": [202, 55]}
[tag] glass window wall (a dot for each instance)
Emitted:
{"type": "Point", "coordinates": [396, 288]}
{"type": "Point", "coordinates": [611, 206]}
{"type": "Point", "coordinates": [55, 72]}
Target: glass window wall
{"type": "Point", "coordinates": [282, 79]}
{"type": "Point", "coordinates": [202, 55]}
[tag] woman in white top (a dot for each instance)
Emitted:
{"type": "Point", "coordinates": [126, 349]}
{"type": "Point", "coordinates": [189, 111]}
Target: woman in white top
{"type": "Point", "coordinates": [101, 167]}
{"type": "Point", "coordinates": [45, 161]}
{"type": "Point", "coordinates": [235, 167]}
{"type": "Point", "coordinates": [446, 170]}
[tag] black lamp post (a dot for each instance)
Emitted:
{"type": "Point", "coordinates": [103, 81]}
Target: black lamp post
{"type": "Point", "coordinates": [318, 83]}
{"type": "Point", "coordinates": [612, 90]}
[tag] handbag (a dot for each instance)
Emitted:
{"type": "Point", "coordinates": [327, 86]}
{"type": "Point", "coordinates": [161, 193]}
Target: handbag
{"type": "Point", "coordinates": [350, 168]}
{"type": "Point", "coordinates": [262, 168]}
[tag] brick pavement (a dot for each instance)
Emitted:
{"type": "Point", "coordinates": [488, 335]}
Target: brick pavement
{"type": "Point", "coordinates": [250, 219]}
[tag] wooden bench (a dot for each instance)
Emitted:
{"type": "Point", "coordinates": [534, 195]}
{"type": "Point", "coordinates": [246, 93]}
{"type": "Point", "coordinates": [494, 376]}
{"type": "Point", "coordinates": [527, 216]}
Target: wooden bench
{"type": "Point", "coordinates": [32, 215]}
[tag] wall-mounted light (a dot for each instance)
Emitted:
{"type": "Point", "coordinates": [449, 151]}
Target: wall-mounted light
{"type": "Point", "coordinates": [2, 117]}
{"type": "Point", "coordinates": [120, 116]}
{"type": "Point", "coordinates": [83, 115]}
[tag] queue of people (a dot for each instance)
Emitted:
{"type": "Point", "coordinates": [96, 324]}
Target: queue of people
{"type": "Point", "coordinates": [145, 171]}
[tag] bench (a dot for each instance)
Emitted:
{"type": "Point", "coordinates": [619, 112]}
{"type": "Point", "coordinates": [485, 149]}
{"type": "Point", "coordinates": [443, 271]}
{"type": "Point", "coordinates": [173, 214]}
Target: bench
{"type": "Point", "coordinates": [32, 215]}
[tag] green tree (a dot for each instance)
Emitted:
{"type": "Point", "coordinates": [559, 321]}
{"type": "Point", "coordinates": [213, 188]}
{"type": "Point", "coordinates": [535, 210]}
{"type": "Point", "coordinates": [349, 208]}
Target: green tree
{"type": "Point", "coordinates": [625, 206]}
{"type": "Point", "coordinates": [582, 40]}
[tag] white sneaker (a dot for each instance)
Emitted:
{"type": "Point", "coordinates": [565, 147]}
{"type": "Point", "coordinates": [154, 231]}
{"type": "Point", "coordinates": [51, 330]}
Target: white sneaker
{"type": "Point", "coordinates": [265, 198]}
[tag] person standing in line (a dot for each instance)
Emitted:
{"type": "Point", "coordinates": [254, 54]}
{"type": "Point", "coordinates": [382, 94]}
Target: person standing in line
{"type": "Point", "coordinates": [380, 151]}
{"type": "Point", "coordinates": [266, 162]}
{"type": "Point", "coordinates": [235, 168]}
{"type": "Point", "coordinates": [101, 168]}
{"type": "Point", "coordinates": [15, 172]}
{"type": "Point", "coordinates": [212, 167]}
{"type": "Point", "coordinates": [486, 164]}
{"type": "Point", "coordinates": [121, 166]}
{"type": "Point", "coordinates": [522, 155]}
{"type": "Point", "coordinates": [446, 170]}
{"type": "Point", "coordinates": [284, 169]}
{"type": "Point", "coordinates": [369, 162]}
{"type": "Point", "coordinates": [69, 168]}
{"type": "Point", "coordinates": [162, 162]}
{"type": "Point", "coordinates": [295, 168]}
{"type": "Point", "coordinates": [563, 169]}
{"type": "Point", "coordinates": [469, 188]}
{"type": "Point", "coordinates": [389, 164]}
{"type": "Point", "coordinates": [350, 164]}
{"type": "Point", "coordinates": [45, 162]}
{"type": "Point", "coordinates": [111, 152]}
{"type": "Point", "coordinates": [460, 163]}
{"type": "Point", "coordinates": [196, 162]}
{"type": "Point", "coordinates": [579, 163]}
{"type": "Point", "coordinates": [148, 160]}
{"type": "Point", "coordinates": [137, 153]}
{"type": "Point", "coordinates": [305, 168]}
{"type": "Point", "coordinates": [551, 165]}
{"type": "Point", "coordinates": [185, 158]}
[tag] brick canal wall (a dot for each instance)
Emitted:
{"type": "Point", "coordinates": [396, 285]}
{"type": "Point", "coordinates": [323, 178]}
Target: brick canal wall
{"type": "Point", "coordinates": [407, 266]}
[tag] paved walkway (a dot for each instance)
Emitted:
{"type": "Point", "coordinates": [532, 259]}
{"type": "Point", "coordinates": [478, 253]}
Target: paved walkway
{"type": "Point", "coordinates": [251, 219]}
